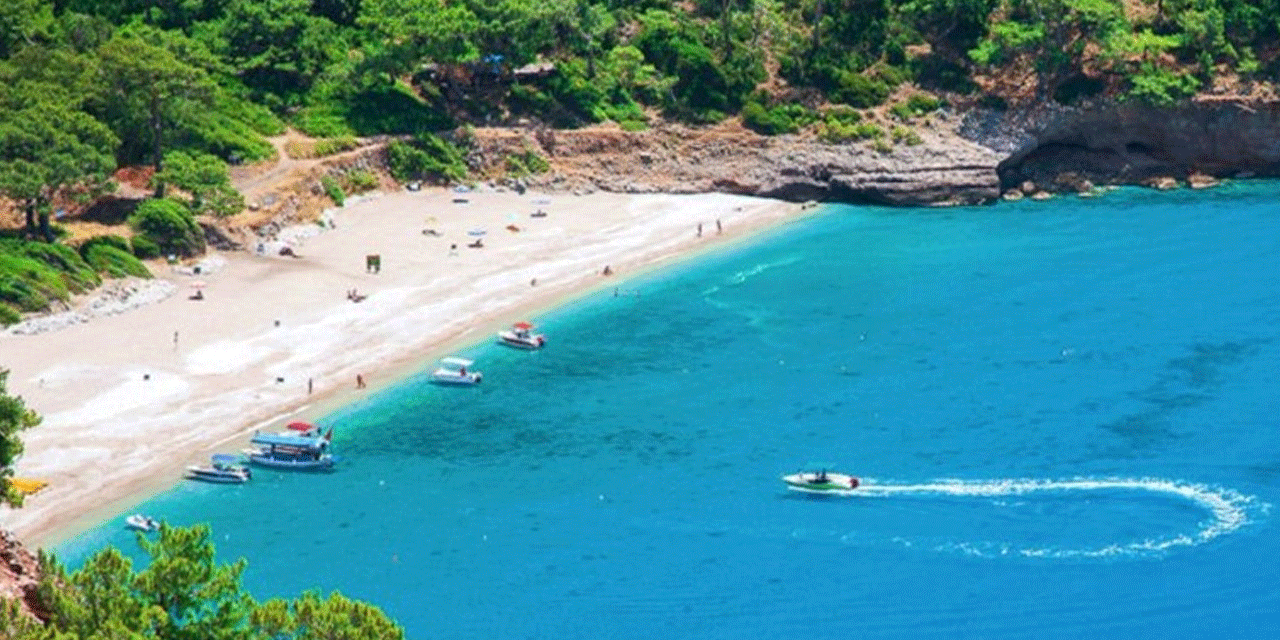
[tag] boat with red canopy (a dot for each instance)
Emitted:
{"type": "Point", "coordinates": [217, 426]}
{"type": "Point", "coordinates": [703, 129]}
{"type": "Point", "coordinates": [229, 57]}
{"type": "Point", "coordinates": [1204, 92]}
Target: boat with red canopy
{"type": "Point", "coordinates": [521, 336]}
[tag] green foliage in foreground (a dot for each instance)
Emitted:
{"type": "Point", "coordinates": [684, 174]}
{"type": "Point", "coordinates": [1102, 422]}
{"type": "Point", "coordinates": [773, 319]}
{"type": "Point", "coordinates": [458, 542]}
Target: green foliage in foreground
{"type": "Point", "coordinates": [182, 594]}
{"type": "Point", "coordinates": [14, 417]}
{"type": "Point", "coordinates": [34, 274]}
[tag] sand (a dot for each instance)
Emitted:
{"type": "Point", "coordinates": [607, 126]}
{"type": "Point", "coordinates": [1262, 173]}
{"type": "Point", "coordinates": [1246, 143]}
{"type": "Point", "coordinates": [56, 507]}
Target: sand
{"type": "Point", "coordinates": [132, 396]}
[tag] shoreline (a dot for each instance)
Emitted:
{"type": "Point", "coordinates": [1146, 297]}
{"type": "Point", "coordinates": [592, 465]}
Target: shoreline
{"type": "Point", "coordinates": [155, 388]}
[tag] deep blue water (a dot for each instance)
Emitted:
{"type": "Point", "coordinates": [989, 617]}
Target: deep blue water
{"type": "Point", "coordinates": [1063, 414]}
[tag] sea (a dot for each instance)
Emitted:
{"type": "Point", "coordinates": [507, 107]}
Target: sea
{"type": "Point", "coordinates": [1063, 415]}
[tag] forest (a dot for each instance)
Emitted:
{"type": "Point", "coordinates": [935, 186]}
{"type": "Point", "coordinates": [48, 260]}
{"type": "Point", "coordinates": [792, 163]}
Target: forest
{"type": "Point", "coordinates": [191, 87]}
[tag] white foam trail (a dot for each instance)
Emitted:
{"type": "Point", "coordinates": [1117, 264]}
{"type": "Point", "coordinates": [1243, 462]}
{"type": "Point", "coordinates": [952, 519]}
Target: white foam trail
{"type": "Point", "coordinates": [1229, 509]}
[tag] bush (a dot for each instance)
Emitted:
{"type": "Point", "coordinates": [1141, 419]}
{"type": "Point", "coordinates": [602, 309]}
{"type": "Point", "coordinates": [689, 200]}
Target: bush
{"type": "Point", "coordinates": [8, 315]}
{"type": "Point", "coordinates": [429, 157]}
{"type": "Point", "coordinates": [765, 121]}
{"type": "Point", "coordinates": [145, 248]}
{"type": "Point", "coordinates": [114, 241]}
{"type": "Point", "coordinates": [115, 262]}
{"type": "Point", "coordinates": [169, 225]}
{"type": "Point", "coordinates": [32, 274]}
{"type": "Point", "coordinates": [1161, 87]}
{"type": "Point", "coordinates": [860, 91]}
{"type": "Point", "coordinates": [333, 190]}
{"type": "Point", "coordinates": [361, 181]}
{"type": "Point", "coordinates": [526, 162]}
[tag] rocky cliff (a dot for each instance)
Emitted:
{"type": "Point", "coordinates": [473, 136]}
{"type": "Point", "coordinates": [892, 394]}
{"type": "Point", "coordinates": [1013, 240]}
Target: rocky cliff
{"type": "Point", "coordinates": [962, 159]}
{"type": "Point", "coordinates": [19, 572]}
{"type": "Point", "coordinates": [943, 169]}
{"type": "Point", "coordinates": [1062, 148]}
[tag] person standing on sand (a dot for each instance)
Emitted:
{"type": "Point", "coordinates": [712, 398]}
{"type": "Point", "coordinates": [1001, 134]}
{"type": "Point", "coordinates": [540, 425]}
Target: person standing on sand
{"type": "Point", "coordinates": [699, 229]}
{"type": "Point", "coordinates": [718, 227]}
{"type": "Point", "coordinates": [359, 381]}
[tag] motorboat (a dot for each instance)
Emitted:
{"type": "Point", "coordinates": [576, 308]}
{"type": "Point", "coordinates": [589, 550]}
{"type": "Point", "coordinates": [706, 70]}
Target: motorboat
{"type": "Point", "coordinates": [521, 336]}
{"type": "Point", "coordinates": [454, 371]}
{"type": "Point", "coordinates": [222, 469]}
{"type": "Point", "coordinates": [820, 481]}
{"type": "Point", "coordinates": [305, 451]}
{"type": "Point", "coordinates": [140, 522]}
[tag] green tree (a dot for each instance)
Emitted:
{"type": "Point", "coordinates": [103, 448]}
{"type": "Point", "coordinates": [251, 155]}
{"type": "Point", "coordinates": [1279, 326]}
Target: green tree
{"type": "Point", "coordinates": [150, 88]}
{"type": "Point", "coordinates": [310, 618]}
{"type": "Point", "coordinates": [169, 225]}
{"type": "Point", "coordinates": [416, 31]}
{"type": "Point", "coordinates": [14, 418]}
{"type": "Point", "coordinates": [182, 594]}
{"type": "Point", "coordinates": [46, 147]}
{"type": "Point", "coordinates": [276, 46]}
{"type": "Point", "coordinates": [24, 22]}
{"type": "Point", "coordinates": [205, 178]}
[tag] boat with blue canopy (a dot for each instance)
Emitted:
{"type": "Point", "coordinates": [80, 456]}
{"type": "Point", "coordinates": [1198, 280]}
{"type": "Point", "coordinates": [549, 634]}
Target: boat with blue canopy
{"type": "Point", "coordinates": [301, 452]}
{"type": "Point", "coordinates": [223, 468]}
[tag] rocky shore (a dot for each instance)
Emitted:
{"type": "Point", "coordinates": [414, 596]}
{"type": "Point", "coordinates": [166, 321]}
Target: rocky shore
{"type": "Point", "coordinates": [967, 157]}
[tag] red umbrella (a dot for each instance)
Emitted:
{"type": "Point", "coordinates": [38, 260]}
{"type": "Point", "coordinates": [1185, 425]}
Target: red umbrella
{"type": "Point", "coordinates": [523, 325]}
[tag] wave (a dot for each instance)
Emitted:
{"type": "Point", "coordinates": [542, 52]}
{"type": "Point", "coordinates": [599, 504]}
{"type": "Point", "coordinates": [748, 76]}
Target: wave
{"type": "Point", "coordinates": [741, 276]}
{"type": "Point", "coordinates": [1229, 510]}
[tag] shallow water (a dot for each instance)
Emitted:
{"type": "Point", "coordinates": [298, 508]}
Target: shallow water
{"type": "Point", "coordinates": [1062, 413]}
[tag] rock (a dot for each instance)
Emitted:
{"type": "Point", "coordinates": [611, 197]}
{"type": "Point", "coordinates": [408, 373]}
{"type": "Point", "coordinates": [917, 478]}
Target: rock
{"type": "Point", "coordinates": [1028, 187]}
{"type": "Point", "coordinates": [1201, 181]}
{"type": "Point", "coordinates": [1012, 195]}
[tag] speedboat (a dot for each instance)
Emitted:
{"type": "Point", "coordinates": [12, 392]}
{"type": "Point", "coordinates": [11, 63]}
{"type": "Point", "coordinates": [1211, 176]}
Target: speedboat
{"type": "Point", "coordinates": [521, 336]}
{"type": "Point", "coordinates": [222, 469]}
{"type": "Point", "coordinates": [306, 452]}
{"type": "Point", "coordinates": [453, 371]}
{"type": "Point", "coordinates": [140, 522]}
{"type": "Point", "coordinates": [820, 481]}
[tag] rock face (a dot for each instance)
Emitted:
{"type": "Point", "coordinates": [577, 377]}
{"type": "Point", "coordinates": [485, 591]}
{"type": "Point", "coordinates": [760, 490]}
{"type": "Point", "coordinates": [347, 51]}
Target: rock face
{"type": "Point", "coordinates": [19, 572]}
{"type": "Point", "coordinates": [944, 169]}
{"type": "Point", "coordinates": [1123, 143]}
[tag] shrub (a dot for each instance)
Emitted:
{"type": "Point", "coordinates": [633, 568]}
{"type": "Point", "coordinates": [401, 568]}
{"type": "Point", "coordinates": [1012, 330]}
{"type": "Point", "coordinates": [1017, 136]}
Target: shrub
{"type": "Point", "coordinates": [8, 315]}
{"type": "Point", "coordinates": [145, 248]}
{"type": "Point", "coordinates": [114, 241]}
{"type": "Point", "coordinates": [1161, 87]}
{"type": "Point", "coordinates": [330, 146]}
{"type": "Point", "coordinates": [115, 262]}
{"type": "Point", "coordinates": [333, 190]}
{"type": "Point", "coordinates": [428, 157]}
{"type": "Point", "coordinates": [860, 91]}
{"type": "Point", "coordinates": [361, 181]}
{"type": "Point", "coordinates": [169, 225]}
{"type": "Point", "coordinates": [526, 162]}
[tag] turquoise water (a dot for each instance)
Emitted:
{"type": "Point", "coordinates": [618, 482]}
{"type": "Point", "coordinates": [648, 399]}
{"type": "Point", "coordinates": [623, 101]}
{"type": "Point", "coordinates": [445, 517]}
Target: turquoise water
{"type": "Point", "coordinates": [1062, 412]}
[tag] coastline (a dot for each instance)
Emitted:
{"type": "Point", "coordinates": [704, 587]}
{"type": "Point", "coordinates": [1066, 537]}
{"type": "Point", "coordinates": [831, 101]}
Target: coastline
{"type": "Point", "coordinates": [150, 390]}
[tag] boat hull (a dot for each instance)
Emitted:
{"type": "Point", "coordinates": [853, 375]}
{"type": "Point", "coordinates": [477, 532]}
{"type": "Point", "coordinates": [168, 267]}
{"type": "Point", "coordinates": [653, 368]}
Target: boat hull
{"type": "Point", "coordinates": [324, 463]}
{"type": "Point", "coordinates": [217, 477]}
{"type": "Point", "coordinates": [455, 380]}
{"type": "Point", "coordinates": [815, 483]}
{"type": "Point", "coordinates": [530, 343]}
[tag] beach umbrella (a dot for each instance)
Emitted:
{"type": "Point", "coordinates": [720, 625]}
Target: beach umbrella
{"type": "Point", "coordinates": [476, 232]}
{"type": "Point", "coordinates": [198, 284]}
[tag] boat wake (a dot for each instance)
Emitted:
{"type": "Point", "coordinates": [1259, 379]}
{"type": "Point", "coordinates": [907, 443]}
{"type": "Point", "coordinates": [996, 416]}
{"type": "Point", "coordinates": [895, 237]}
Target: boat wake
{"type": "Point", "coordinates": [1228, 510]}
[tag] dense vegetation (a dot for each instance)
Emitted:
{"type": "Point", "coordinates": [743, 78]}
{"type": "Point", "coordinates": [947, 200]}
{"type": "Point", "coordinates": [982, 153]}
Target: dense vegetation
{"type": "Point", "coordinates": [14, 418]}
{"type": "Point", "coordinates": [183, 593]}
{"type": "Point", "coordinates": [192, 86]}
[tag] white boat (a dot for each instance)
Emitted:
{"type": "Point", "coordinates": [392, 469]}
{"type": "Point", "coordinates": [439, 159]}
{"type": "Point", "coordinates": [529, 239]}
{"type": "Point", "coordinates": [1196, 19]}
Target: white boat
{"type": "Point", "coordinates": [521, 336]}
{"type": "Point", "coordinates": [222, 469]}
{"type": "Point", "coordinates": [139, 522]}
{"type": "Point", "coordinates": [453, 371]}
{"type": "Point", "coordinates": [306, 452]}
{"type": "Point", "coordinates": [820, 481]}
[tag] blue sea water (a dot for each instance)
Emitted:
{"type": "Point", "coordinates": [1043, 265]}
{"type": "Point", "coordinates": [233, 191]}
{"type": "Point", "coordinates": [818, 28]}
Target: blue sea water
{"type": "Point", "coordinates": [1063, 414]}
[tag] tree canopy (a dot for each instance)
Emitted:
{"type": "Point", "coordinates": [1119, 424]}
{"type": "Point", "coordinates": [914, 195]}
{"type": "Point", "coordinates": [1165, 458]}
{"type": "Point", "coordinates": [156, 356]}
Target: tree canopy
{"type": "Point", "coordinates": [14, 418]}
{"type": "Point", "coordinates": [183, 593]}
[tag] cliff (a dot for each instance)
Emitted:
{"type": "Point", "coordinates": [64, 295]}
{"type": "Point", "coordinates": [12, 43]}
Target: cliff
{"type": "Point", "coordinates": [19, 572]}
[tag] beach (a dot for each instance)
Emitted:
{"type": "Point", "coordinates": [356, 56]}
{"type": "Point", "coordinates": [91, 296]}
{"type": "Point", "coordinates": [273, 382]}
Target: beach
{"type": "Point", "coordinates": [131, 396]}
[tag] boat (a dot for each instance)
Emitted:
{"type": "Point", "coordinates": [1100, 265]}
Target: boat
{"type": "Point", "coordinates": [222, 469]}
{"type": "Point", "coordinates": [521, 336]}
{"type": "Point", "coordinates": [305, 452]}
{"type": "Point", "coordinates": [453, 371]}
{"type": "Point", "coordinates": [140, 522]}
{"type": "Point", "coordinates": [820, 481]}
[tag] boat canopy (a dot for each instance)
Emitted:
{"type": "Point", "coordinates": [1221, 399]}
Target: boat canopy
{"type": "Point", "coordinates": [301, 426]}
{"type": "Point", "coordinates": [285, 440]}
{"type": "Point", "coordinates": [523, 325]}
{"type": "Point", "coordinates": [461, 362]}
{"type": "Point", "coordinates": [227, 458]}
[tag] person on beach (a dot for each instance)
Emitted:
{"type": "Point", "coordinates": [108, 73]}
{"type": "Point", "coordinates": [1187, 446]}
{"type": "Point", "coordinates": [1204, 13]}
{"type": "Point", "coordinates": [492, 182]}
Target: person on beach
{"type": "Point", "coordinates": [359, 381]}
{"type": "Point", "coordinates": [718, 227]}
{"type": "Point", "coordinates": [606, 271]}
{"type": "Point", "coordinates": [699, 229]}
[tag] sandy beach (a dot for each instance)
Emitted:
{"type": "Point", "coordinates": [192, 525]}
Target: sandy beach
{"type": "Point", "coordinates": [129, 399]}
